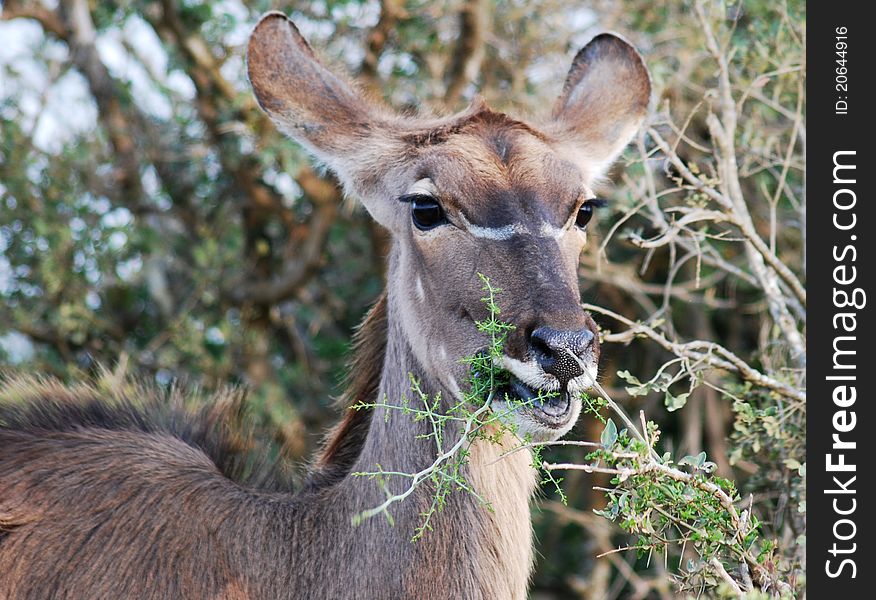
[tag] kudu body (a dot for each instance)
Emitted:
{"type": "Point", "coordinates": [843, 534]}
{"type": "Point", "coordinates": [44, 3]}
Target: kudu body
{"type": "Point", "coordinates": [120, 495]}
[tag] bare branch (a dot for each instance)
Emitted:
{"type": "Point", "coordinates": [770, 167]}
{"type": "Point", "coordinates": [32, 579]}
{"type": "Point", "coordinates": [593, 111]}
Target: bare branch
{"type": "Point", "coordinates": [470, 49]}
{"type": "Point", "coordinates": [742, 219]}
{"type": "Point", "coordinates": [709, 353]}
{"type": "Point", "coordinates": [295, 273]}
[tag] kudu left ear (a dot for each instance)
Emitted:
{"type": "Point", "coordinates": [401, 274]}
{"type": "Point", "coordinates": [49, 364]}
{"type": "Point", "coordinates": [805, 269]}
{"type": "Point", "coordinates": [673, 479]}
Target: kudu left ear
{"type": "Point", "coordinates": [322, 112]}
{"type": "Point", "coordinates": [603, 102]}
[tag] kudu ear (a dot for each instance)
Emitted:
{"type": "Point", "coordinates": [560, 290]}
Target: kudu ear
{"type": "Point", "coordinates": [603, 103]}
{"type": "Point", "coordinates": [319, 110]}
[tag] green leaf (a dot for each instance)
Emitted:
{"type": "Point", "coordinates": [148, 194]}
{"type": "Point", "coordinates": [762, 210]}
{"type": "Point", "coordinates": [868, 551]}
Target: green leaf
{"type": "Point", "coordinates": [641, 390]}
{"type": "Point", "coordinates": [673, 403]}
{"type": "Point", "coordinates": [637, 388]}
{"type": "Point", "coordinates": [697, 461]}
{"type": "Point", "coordinates": [628, 377]}
{"type": "Point", "coordinates": [609, 434]}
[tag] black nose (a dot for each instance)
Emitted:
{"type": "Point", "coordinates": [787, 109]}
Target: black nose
{"type": "Point", "coordinates": [551, 348]}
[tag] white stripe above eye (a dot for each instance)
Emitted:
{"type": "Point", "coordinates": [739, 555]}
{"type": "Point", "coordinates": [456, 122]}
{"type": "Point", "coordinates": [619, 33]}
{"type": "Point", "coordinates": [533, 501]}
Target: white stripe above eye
{"type": "Point", "coordinates": [505, 232]}
{"type": "Point", "coordinates": [427, 187]}
{"type": "Point", "coordinates": [551, 231]}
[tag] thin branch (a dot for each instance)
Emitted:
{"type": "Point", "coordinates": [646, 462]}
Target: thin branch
{"type": "Point", "coordinates": [710, 353]}
{"type": "Point", "coordinates": [725, 576]}
{"type": "Point", "coordinates": [744, 225]}
{"type": "Point", "coordinates": [417, 478]}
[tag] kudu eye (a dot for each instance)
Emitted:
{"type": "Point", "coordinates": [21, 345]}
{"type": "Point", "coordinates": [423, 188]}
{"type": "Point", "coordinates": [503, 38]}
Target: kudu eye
{"type": "Point", "coordinates": [426, 213]}
{"type": "Point", "coordinates": [585, 213]}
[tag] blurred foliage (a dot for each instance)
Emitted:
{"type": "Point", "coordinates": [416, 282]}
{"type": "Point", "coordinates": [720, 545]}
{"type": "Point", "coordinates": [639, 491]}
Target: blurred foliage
{"type": "Point", "coordinates": [143, 195]}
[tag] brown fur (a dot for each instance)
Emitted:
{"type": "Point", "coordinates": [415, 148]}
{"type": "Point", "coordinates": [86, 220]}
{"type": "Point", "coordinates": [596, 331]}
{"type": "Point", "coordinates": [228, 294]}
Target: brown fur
{"type": "Point", "coordinates": [120, 491]}
{"type": "Point", "coordinates": [85, 471]}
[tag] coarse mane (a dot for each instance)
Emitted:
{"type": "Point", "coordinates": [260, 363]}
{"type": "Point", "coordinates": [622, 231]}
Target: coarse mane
{"type": "Point", "coordinates": [216, 425]}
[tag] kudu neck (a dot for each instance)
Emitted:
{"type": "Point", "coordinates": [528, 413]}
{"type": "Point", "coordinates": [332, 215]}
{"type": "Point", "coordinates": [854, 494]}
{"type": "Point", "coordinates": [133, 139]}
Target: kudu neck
{"type": "Point", "coordinates": [393, 440]}
{"type": "Point", "coordinates": [495, 542]}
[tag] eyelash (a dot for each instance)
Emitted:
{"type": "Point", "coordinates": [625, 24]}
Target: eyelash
{"type": "Point", "coordinates": [585, 211]}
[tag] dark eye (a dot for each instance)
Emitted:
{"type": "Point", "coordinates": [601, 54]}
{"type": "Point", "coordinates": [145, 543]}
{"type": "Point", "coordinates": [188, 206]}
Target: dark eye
{"type": "Point", "coordinates": [426, 213]}
{"type": "Point", "coordinates": [585, 213]}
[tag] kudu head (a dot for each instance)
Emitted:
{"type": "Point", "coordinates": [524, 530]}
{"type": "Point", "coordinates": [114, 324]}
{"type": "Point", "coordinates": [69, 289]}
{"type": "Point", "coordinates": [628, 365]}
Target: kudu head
{"type": "Point", "coordinates": [478, 192]}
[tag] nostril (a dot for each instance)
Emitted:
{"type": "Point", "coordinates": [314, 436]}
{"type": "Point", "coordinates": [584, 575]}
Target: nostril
{"type": "Point", "coordinates": [552, 348]}
{"type": "Point", "coordinates": [538, 339]}
{"type": "Point", "coordinates": [554, 341]}
{"type": "Point", "coordinates": [542, 349]}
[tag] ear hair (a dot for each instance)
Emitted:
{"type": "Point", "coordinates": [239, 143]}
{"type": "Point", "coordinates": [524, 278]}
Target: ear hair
{"type": "Point", "coordinates": [304, 98]}
{"type": "Point", "coordinates": [604, 101]}
{"type": "Point", "coordinates": [322, 112]}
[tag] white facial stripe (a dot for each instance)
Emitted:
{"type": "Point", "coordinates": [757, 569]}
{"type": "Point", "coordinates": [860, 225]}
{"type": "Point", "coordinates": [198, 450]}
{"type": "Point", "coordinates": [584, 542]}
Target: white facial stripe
{"type": "Point", "coordinates": [549, 231]}
{"type": "Point", "coordinates": [497, 233]}
{"type": "Point", "coordinates": [505, 232]}
{"type": "Point", "coordinates": [427, 187]}
{"type": "Point", "coordinates": [420, 293]}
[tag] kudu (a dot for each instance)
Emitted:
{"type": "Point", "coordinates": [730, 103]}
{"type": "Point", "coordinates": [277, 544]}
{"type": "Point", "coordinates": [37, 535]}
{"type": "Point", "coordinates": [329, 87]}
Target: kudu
{"type": "Point", "coordinates": [116, 495]}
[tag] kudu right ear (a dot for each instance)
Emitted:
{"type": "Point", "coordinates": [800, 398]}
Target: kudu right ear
{"type": "Point", "coordinates": [603, 102]}
{"type": "Point", "coordinates": [322, 112]}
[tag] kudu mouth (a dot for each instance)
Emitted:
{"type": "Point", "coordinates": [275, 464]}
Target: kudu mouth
{"type": "Point", "coordinates": [552, 409]}
{"type": "Point", "coordinates": [526, 390]}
